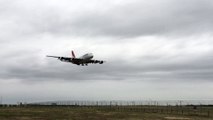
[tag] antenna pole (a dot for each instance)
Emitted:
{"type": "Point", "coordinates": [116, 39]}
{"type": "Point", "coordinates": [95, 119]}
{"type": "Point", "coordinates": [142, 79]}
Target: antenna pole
{"type": "Point", "coordinates": [1, 101]}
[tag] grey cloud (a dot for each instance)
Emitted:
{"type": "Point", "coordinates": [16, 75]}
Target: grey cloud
{"type": "Point", "coordinates": [163, 70]}
{"type": "Point", "coordinates": [166, 17]}
{"type": "Point", "coordinates": [152, 18]}
{"type": "Point", "coordinates": [31, 29]}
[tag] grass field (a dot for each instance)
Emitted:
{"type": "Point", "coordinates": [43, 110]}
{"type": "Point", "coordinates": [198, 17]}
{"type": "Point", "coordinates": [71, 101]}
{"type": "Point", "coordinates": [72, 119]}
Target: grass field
{"type": "Point", "coordinates": [103, 113]}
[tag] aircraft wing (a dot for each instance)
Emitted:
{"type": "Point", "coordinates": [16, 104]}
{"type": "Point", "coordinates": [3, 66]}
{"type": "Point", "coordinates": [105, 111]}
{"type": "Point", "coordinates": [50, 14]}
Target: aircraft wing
{"type": "Point", "coordinates": [96, 61]}
{"type": "Point", "coordinates": [68, 59]}
{"type": "Point", "coordinates": [77, 61]}
{"type": "Point", "coordinates": [53, 56]}
{"type": "Point", "coordinates": [61, 58]}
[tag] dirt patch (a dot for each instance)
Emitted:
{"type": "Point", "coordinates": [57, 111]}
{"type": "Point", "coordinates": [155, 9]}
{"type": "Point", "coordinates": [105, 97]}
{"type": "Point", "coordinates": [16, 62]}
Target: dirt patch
{"type": "Point", "coordinates": [177, 118]}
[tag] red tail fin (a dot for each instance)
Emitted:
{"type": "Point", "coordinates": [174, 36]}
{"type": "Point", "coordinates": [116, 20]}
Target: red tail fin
{"type": "Point", "coordinates": [73, 54]}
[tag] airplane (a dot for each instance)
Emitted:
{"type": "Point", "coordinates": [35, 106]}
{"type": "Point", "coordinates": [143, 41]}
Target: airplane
{"type": "Point", "coordinates": [83, 60]}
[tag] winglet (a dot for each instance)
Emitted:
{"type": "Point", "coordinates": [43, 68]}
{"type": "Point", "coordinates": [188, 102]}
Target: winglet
{"type": "Point", "coordinates": [73, 54]}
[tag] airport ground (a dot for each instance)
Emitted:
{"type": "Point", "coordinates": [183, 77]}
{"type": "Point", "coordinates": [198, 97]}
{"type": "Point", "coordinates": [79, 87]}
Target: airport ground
{"type": "Point", "coordinates": [106, 112]}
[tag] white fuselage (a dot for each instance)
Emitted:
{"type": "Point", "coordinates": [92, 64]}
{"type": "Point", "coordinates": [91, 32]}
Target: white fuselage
{"type": "Point", "coordinates": [87, 57]}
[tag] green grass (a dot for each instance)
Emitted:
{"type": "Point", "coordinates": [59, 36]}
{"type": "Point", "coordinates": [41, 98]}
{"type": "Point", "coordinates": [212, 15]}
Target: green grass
{"type": "Point", "coordinates": [91, 113]}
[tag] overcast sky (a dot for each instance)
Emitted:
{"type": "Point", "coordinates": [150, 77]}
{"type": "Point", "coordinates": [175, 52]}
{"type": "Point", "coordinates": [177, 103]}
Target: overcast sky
{"type": "Point", "coordinates": [156, 49]}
